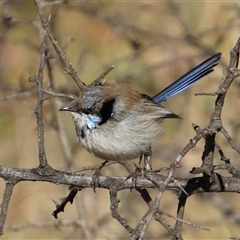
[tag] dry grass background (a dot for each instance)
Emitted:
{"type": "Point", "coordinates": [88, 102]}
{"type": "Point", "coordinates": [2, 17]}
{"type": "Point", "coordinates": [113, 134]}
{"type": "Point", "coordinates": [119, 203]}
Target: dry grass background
{"type": "Point", "coordinates": [150, 44]}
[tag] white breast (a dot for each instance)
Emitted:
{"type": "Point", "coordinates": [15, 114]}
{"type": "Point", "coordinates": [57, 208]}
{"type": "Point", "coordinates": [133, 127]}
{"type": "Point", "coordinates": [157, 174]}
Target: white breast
{"type": "Point", "coordinates": [116, 140]}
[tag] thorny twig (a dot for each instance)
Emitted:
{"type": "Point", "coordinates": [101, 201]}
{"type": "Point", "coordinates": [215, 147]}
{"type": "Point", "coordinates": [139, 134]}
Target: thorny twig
{"type": "Point", "coordinates": [67, 65]}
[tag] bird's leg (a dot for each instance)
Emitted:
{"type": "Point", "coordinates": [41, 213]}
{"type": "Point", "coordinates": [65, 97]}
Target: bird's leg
{"type": "Point", "coordinates": [97, 174]}
{"type": "Point", "coordinates": [140, 160]}
{"type": "Point", "coordinates": [148, 161]}
{"type": "Point", "coordinates": [133, 175]}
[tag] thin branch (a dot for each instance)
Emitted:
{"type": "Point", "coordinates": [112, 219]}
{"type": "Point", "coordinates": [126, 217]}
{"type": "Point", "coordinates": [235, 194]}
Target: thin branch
{"type": "Point", "coordinates": [184, 221]}
{"type": "Point", "coordinates": [62, 95]}
{"type": "Point", "coordinates": [229, 139]}
{"type": "Point", "coordinates": [67, 65]}
{"type": "Point", "coordinates": [62, 136]}
{"type": "Point", "coordinates": [82, 217]}
{"type": "Point", "coordinates": [18, 95]}
{"type": "Point", "coordinates": [39, 108]}
{"type": "Point", "coordinates": [54, 224]}
{"type": "Point", "coordinates": [197, 129]}
{"type": "Point", "coordinates": [93, 167]}
{"type": "Point", "coordinates": [5, 202]}
{"type": "Point", "coordinates": [99, 79]}
{"type": "Point", "coordinates": [114, 206]}
{"type": "Point", "coordinates": [158, 216]}
{"type": "Point", "coordinates": [60, 207]}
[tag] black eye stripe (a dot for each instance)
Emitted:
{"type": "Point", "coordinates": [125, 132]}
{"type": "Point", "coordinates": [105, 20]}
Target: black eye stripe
{"type": "Point", "coordinates": [106, 110]}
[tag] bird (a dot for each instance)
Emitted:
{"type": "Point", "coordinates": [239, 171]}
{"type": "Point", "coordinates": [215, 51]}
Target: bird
{"type": "Point", "coordinates": [115, 122]}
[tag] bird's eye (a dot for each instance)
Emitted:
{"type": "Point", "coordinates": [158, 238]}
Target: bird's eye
{"type": "Point", "coordinates": [107, 110]}
{"type": "Point", "coordinates": [87, 109]}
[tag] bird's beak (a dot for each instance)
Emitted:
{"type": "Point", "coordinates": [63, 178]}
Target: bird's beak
{"type": "Point", "coordinates": [68, 108]}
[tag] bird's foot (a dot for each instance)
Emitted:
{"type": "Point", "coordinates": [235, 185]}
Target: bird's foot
{"type": "Point", "coordinates": [133, 175]}
{"type": "Point", "coordinates": [97, 174]}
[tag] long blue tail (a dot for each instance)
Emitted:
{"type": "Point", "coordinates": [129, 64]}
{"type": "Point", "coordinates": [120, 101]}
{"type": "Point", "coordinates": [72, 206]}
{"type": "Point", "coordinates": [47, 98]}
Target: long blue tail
{"type": "Point", "coordinates": [188, 79]}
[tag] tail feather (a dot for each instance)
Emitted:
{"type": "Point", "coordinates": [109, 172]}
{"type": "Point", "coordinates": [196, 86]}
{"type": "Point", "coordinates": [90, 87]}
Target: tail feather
{"type": "Point", "coordinates": [188, 79]}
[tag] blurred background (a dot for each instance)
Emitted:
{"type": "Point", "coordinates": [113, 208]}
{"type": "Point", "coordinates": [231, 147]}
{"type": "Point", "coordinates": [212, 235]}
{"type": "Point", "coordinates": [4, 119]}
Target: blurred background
{"type": "Point", "coordinates": [150, 44]}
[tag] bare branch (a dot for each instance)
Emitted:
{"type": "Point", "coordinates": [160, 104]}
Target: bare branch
{"type": "Point", "coordinates": [60, 207]}
{"type": "Point", "coordinates": [5, 202]}
{"type": "Point", "coordinates": [39, 108]}
{"type": "Point", "coordinates": [67, 65]}
{"type": "Point", "coordinates": [62, 95]}
{"type": "Point", "coordinates": [99, 79]}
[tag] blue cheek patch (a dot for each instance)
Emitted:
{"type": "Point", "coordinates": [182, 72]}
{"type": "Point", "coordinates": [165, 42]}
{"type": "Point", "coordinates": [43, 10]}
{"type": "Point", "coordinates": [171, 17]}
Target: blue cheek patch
{"type": "Point", "coordinates": [91, 120]}
{"type": "Point", "coordinates": [94, 118]}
